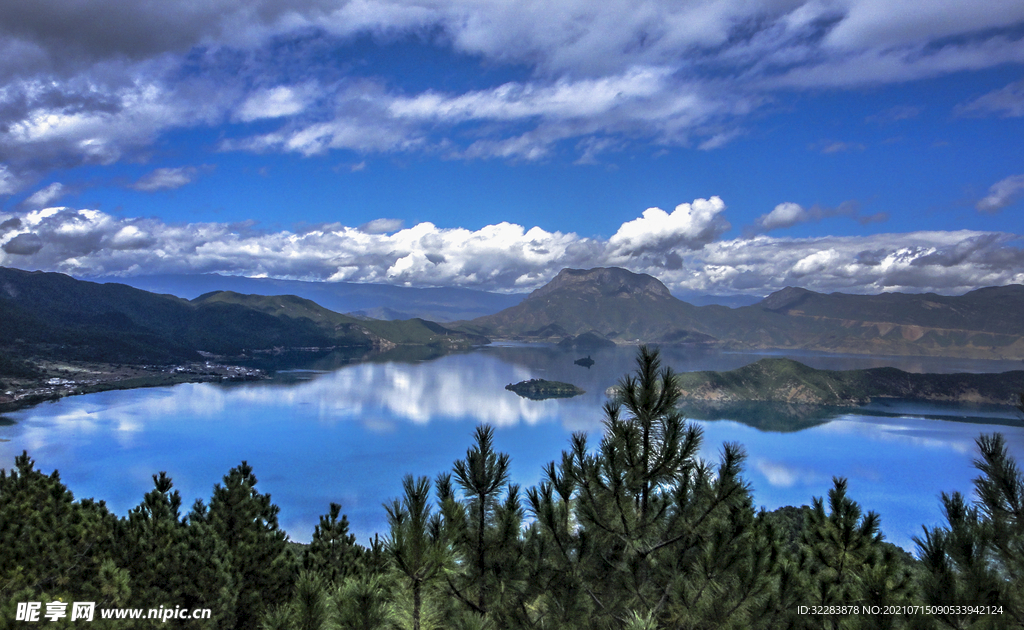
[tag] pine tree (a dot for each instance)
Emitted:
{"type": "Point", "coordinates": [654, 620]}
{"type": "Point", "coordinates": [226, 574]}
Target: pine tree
{"type": "Point", "coordinates": [50, 543]}
{"type": "Point", "coordinates": [642, 530]}
{"type": "Point", "coordinates": [333, 551]}
{"type": "Point", "coordinates": [415, 544]}
{"type": "Point", "coordinates": [363, 602]}
{"type": "Point", "coordinates": [978, 558]}
{"type": "Point", "coordinates": [245, 521]}
{"type": "Point", "coordinates": [172, 562]}
{"type": "Point", "coordinates": [847, 563]}
{"type": "Point", "coordinates": [485, 530]}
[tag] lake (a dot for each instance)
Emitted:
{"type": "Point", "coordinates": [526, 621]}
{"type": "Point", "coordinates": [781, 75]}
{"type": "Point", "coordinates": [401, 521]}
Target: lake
{"type": "Point", "coordinates": [350, 434]}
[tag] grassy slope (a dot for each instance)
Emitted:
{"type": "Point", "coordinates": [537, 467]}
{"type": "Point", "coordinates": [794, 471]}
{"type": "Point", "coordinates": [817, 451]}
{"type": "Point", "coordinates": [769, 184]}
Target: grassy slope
{"type": "Point", "coordinates": [410, 331]}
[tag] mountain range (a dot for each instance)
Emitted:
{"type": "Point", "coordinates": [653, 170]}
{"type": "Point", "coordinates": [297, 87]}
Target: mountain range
{"type": "Point", "coordinates": [54, 315]}
{"type": "Point", "coordinates": [626, 307]}
{"type": "Point", "coordinates": [376, 301]}
{"type": "Point", "coordinates": [51, 315]}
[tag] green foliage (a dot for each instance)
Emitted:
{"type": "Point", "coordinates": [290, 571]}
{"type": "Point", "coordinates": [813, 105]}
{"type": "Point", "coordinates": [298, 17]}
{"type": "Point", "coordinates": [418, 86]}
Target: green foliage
{"type": "Point", "coordinates": [57, 316]}
{"type": "Point", "coordinates": [484, 531]}
{"type": "Point", "coordinates": [978, 558]}
{"type": "Point", "coordinates": [415, 544]}
{"type": "Point", "coordinates": [50, 542]}
{"type": "Point", "coordinates": [171, 562]}
{"type": "Point", "coordinates": [785, 380]}
{"type": "Point", "coordinates": [333, 552]}
{"type": "Point", "coordinates": [363, 602]}
{"type": "Point", "coordinates": [845, 562]}
{"type": "Point", "coordinates": [642, 531]}
{"type": "Point", "coordinates": [245, 522]}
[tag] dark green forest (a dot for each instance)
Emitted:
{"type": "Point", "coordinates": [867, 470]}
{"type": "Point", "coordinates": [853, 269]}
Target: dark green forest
{"type": "Point", "coordinates": [629, 531]}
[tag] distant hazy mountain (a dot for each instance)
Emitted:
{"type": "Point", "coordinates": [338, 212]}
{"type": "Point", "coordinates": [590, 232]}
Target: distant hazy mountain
{"type": "Point", "coordinates": [377, 301]}
{"type": "Point", "coordinates": [54, 315]}
{"type": "Point", "coordinates": [625, 307]}
{"type": "Point", "coordinates": [732, 301]}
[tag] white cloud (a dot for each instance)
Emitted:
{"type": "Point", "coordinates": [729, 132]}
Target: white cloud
{"type": "Point", "coordinates": [783, 215]}
{"type": "Point", "coordinates": [81, 85]}
{"type": "Point", "coordinates": [690, 226]}
{"type": "Point", "coordinates": [45, 196]}
{"type": "Point", "coordinates": [166, 179]}
{"type": "Point", "coordinates": [636, 69]}
{"type": "Point", "coordinates": [562, 99]}
{"type": "Point", "coordinates": [98, 124]}
{"type": "Point", "coordinates": [788, 214]}
{"type": "Point", "coordinates": [1001, 194]}
{"type": "Point", "coordinates": [275, 103]}
{"type": "Point", "coordinates": [678, 248]}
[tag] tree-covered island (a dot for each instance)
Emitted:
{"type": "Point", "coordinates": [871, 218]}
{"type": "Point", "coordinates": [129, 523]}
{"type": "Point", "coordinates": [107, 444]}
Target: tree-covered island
{"type": "Point", "coordinates": [541, 389]}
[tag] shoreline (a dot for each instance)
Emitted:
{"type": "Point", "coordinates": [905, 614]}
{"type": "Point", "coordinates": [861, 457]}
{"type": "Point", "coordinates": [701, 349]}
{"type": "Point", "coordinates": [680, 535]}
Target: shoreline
{"type": "Point", "coordinates": [74, 378]}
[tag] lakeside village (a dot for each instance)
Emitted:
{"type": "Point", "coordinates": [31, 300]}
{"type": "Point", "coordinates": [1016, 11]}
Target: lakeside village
{"type": "Point", "coordinates": [66, 378]}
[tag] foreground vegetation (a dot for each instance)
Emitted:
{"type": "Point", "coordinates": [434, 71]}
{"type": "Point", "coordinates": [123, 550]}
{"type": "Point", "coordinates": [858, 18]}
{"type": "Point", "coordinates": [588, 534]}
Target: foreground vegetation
{"type": "Point", "coordinates": [634, 532]}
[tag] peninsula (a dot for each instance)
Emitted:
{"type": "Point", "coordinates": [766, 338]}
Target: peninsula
{"type": "Point", "coordinates": [789, 381]}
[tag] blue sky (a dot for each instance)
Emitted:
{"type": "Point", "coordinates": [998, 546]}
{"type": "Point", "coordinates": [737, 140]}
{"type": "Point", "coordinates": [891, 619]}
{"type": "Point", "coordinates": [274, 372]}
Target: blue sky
{"type": "Point", "coordinates": [722, 146]}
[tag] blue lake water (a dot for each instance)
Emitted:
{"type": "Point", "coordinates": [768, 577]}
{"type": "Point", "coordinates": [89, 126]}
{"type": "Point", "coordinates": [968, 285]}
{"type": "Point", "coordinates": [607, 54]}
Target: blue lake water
{"type": "Point", "coordinates": [349, 435]}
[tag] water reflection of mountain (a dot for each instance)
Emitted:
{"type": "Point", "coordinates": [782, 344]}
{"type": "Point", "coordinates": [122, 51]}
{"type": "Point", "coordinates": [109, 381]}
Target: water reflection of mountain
{"type": "Point", "coordinates": [787, 418]}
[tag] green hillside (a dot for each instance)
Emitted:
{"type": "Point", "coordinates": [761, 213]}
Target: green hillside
{"type": "Point", "coordinates": [51, 315]}
{"type": "Point", "coordinates": [788, 381]}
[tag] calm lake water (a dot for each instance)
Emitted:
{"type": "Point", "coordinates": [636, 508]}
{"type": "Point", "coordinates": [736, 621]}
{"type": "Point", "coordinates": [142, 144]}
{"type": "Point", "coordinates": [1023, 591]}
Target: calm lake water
{"type": "Point", "coordinates": [349, 435]}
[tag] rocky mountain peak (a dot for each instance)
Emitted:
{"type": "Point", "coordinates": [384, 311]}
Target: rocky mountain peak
{"type": "Point", "coordinates": [606, 282]}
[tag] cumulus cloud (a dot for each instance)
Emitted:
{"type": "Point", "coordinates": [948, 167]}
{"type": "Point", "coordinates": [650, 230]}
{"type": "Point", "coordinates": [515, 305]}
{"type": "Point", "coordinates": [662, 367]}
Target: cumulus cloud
{"type": "Point", "coordinates": [788, 214]}
{"type": "Point", "coordinates": [45, 196]}
{"type": "Point", "coordinates": [166, 179]}
{"type": "Point", "coordinates": [1001, 194]}
{"type": "Point", "coordinates": [690, 226]}
{"type": "Point", "coordinates": [24, 244]}
{"type": "Point", "coordinates": [680, 248]}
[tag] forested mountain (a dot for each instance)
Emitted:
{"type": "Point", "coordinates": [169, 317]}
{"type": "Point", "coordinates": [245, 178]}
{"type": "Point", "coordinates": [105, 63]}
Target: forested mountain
{"type": "Point", "coordinates": [54, 315]}
{"type": "Point", "coordinates": [785, 380]}
{"type": "Point", "coordinates": [623, 306]}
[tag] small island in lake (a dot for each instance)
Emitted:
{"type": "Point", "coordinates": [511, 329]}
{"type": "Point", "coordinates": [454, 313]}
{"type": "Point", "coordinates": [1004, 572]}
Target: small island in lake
{"type": "Point", "coordinates": [540, 389]}
{"type": "Point", "coordinates": [586, 362]}
{"type": "Point", "coordinates": [788, 381]}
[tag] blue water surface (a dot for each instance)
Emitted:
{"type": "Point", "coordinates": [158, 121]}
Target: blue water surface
{"type": "Point", "coordinates": [350, 435]}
